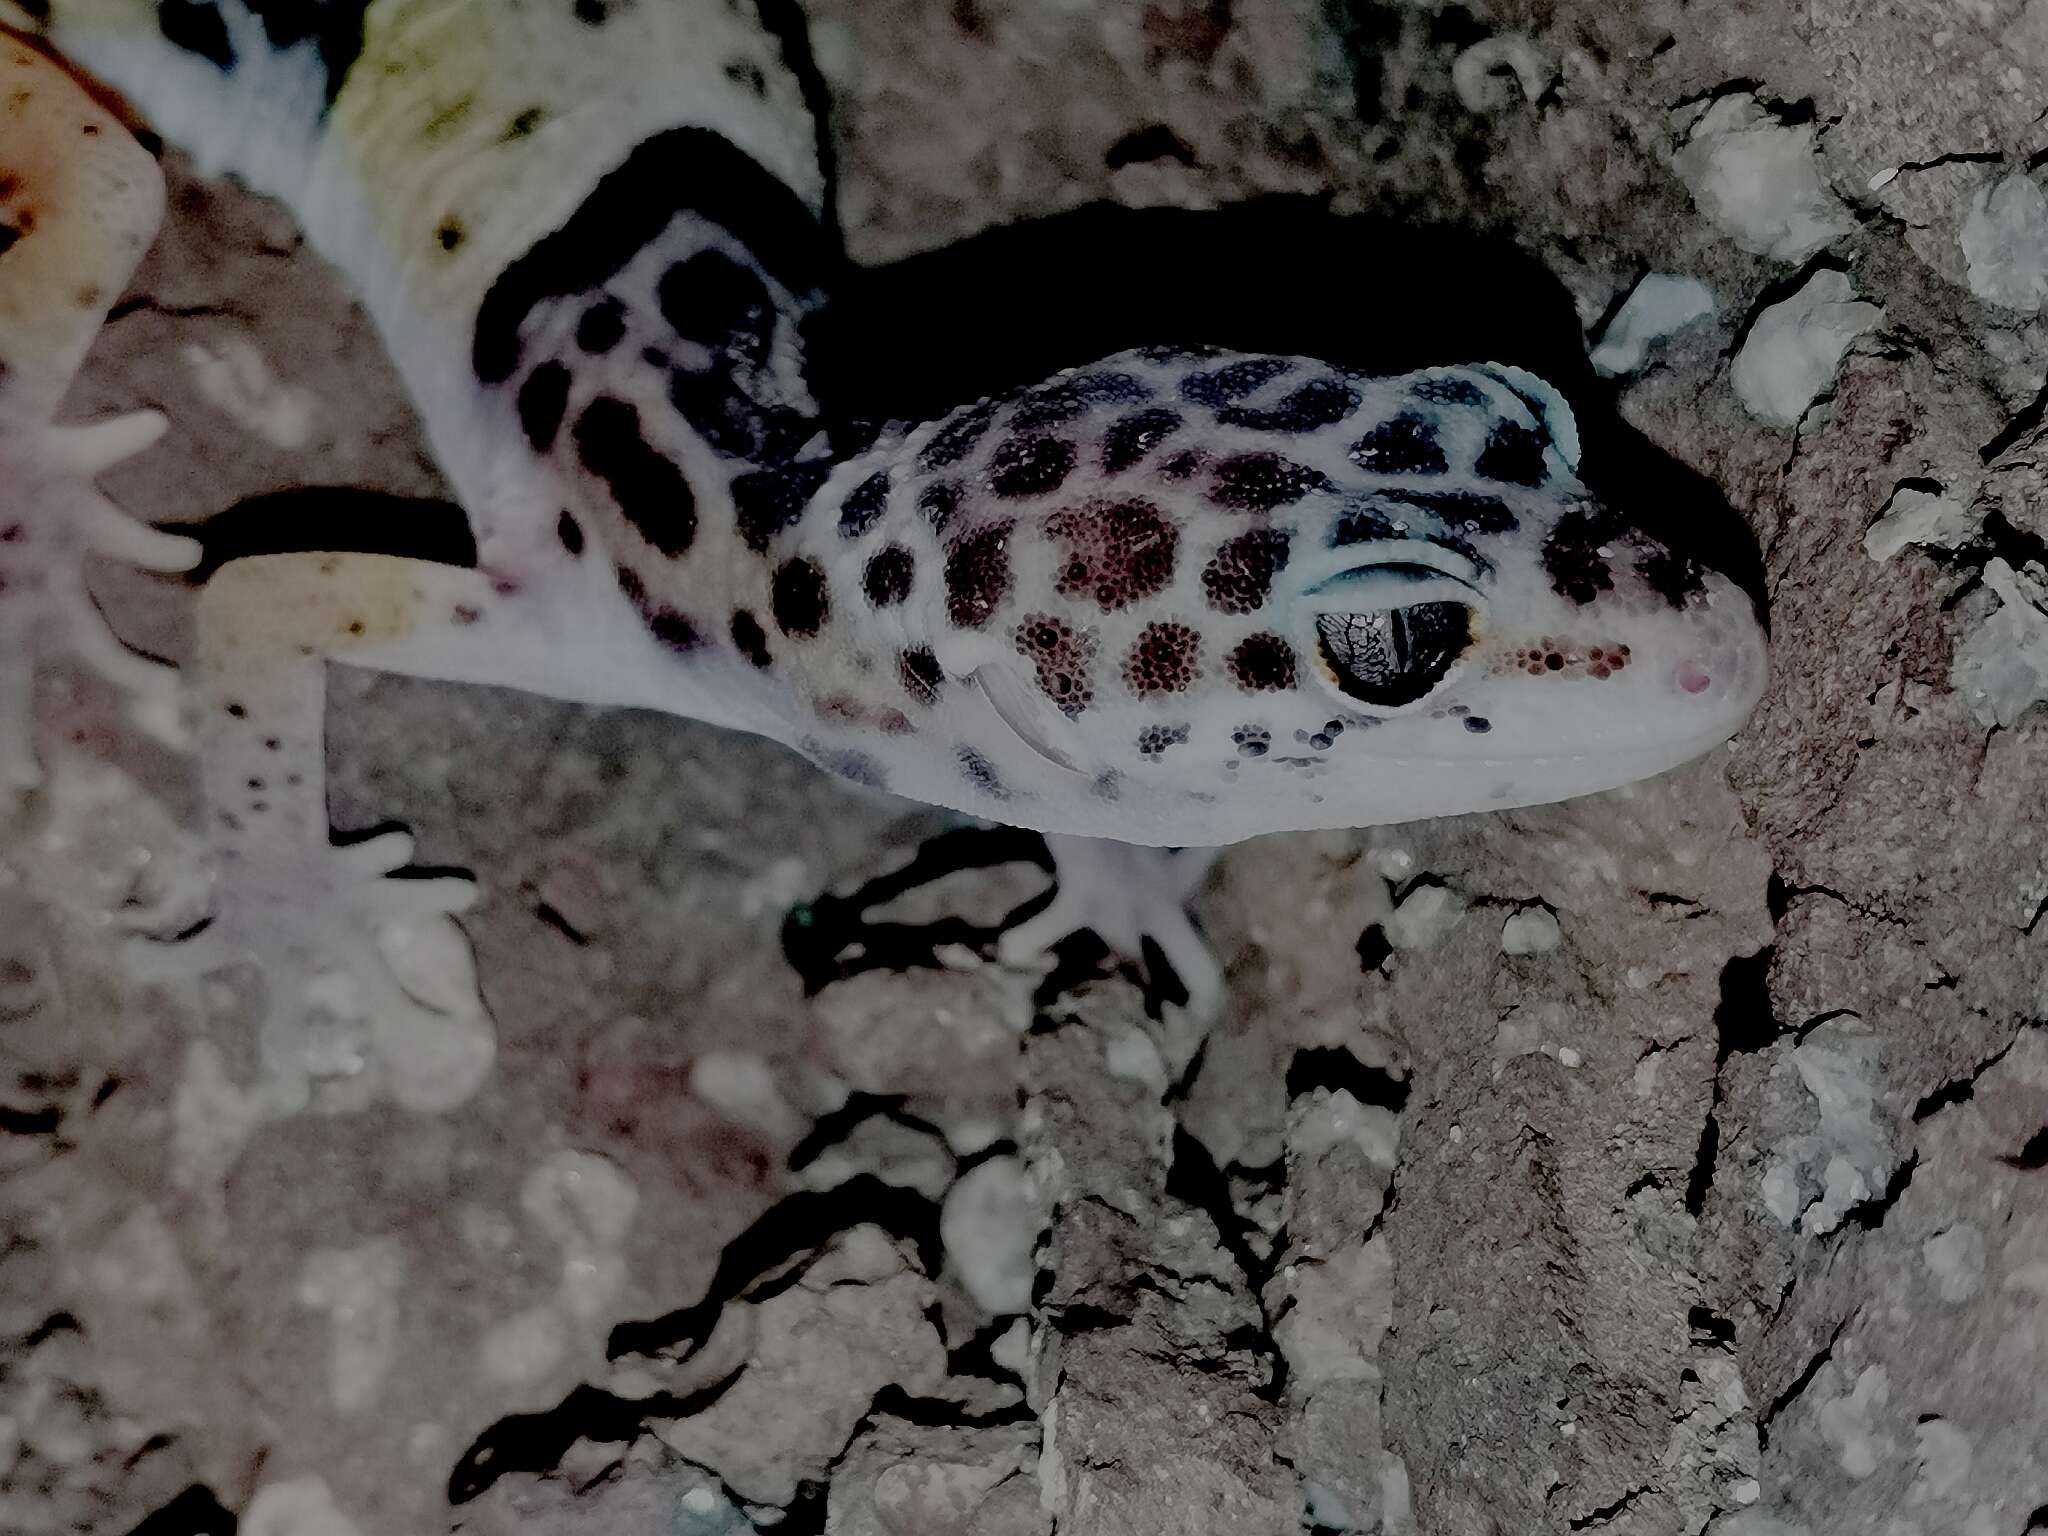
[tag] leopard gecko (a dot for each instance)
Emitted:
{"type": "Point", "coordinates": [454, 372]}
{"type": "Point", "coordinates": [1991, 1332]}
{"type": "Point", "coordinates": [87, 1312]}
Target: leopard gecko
{"type": "Point", "coordinates": [1176, 596]}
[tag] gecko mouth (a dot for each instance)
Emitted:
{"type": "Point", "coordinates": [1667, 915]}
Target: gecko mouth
{"type": "Point", "coordinates": [1393, 656]}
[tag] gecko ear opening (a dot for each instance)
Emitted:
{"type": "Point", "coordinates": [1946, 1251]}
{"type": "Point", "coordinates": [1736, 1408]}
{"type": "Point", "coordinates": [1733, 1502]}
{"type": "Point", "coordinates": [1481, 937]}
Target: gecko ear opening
{"type": "Point", "coordinates": [1036, 721]}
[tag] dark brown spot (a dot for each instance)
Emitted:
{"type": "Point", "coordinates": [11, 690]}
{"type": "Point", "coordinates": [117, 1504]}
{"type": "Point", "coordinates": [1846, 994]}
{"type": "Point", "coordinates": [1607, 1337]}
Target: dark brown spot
{"type": "Point", "coordinates": [1262, 663]}
{"type": "Point", "coordinates": [750, 640]}
{"type": "Point", "coordinates": [1164, 659]}
{"type": "Point", "coordinates": [1259, 482]}
{"type": "Point", "coordinates": [1116, 552]}
{"type": "Point", "coordinates": [978, 575]}
{"type": "Point", "coordinates": [1029, 466]}
{"type": "Point", "coordinates": [1061, 656]}
{"type": "Point", "coordinates": [888, 575]}
{"type": "Point", "coordinates": [1239, 577]}
{"type": "Point", "coordinates": [570, 532]}
{"type": "Point", "coordinates": [799, 597]}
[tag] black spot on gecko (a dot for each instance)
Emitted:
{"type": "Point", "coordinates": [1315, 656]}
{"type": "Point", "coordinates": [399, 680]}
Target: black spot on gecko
{"type": "Point", "coordinates": [938, 502]}
{"type": "Point", "coordinates": [1131, 437]}
{"type": "Point", "coordinates": [196, 26]}
{"type": "Point", "coordinates": [920, 674]}
{"type": "Point", "coordinates": [750, 640]}
{"type": "Point", "coordinates": [1485, 514]}
{"type": "Point", "coordinates": [1672, 576]}
{"type": "Point", "coordinates": [1404, 445]}
{"type": "Point", "coordinates": [978, 575]}
{"type": "Point", "coordinates": [1259, 482]}
{"type": "Point", "coordinates": [1317, 404]}
{"type": "Point", "coordinates": [981, 773]}
{"type": "Point", "coordinates": [1513, 453]}
{"type": "Point", "coordinates": [1449, 391]}
{"type": "Point", "coordinates": [1478, 725]}
{"type": "Point", "coordinates": [602, 327]}
{"type": "Point", "coordinates": [766, 501]}
{"type": "Point", "coordinates": [649, 489]}
{"type": "Point", "coordinates": [1029, 466]}
{"type": "Point", "coordinates": [955, 438]}
{"type": "Point", "coordinates": [678, 170]}
{"type": "Point", "coordinates": [334, 26]}
{"type": "Point", "coordinates": [855, 768]}
{"type": "Point", "coordinates": [1060, 401]}
{"type": "Point", "coordinates": [1220, 386]}
{"type": "Point", "coordinates": [450, 234]}
{"type": "Point", "coordinates": [1155, 739]}
{"type": "Point", "coordinates": [888, 576]}
{"type": "Point", "coordinates": [734, 425]}
{"type": "Point", "coordinates": [799, 597]}
{"type": "Point", "coordinates": [712, 300]}
{"type": "Point", "coordinates": [570, 532]}
{"type": "Point", "coordinates": [864, 505]}
{"type": "Point", "coordinates": [543, 399]}
{"type": "Point", "coordinates": [1572, 554]}
{"type": "Point", "coordinates": [671, 628]}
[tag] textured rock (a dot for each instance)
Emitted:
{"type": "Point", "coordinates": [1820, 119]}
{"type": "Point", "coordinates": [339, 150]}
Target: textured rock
{"type": "Point", "coordinates": [1723, 1212]}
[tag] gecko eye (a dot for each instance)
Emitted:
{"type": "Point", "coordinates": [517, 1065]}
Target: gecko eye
{"type": "Point", "coordinates": [1396, 655]}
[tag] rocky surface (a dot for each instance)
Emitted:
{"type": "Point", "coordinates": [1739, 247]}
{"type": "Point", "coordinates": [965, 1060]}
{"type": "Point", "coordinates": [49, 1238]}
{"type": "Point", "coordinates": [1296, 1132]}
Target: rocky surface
{"type": "Point", "coordinates": [1673, 1161]}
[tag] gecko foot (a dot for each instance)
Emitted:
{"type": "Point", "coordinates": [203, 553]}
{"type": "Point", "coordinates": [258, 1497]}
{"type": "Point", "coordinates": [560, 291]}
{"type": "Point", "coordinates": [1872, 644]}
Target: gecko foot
{"type": "Point", "coordinates": [51, 518]}
{"type": "Point", "coordinates": [1136, 899]}
{"type": "Point", "coordinates": [361, 966]}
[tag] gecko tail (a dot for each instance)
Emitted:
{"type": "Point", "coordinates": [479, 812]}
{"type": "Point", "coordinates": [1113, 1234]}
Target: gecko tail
{"type": "Point", "coordinates": [244, 90]}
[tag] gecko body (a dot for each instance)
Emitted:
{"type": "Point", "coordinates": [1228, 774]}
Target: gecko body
{"type": "Point", "coordinates": [1178, 595]}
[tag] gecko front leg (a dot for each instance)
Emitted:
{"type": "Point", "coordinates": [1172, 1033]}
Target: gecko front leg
{"type": "Point", "coordinates": [79, 203]}
{"type": "Point", "coordinates": [335, 929]}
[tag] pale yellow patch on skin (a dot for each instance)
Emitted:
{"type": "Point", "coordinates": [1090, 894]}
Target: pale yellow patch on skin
{"type": "Point", "coordinates": [271, 609]}
{"type": "Point", "coordinates": [80, 200]}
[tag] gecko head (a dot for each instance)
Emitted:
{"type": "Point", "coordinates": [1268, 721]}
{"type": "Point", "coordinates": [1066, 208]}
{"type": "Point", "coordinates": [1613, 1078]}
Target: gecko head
{"type": "Point", "coordinates": [1502, 648]}
{"type": "Point", "coordinates": [1253, 593]}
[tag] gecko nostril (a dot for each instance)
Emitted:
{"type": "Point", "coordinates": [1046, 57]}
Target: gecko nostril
{"type": "Point", "coordinates": [1693, 678]}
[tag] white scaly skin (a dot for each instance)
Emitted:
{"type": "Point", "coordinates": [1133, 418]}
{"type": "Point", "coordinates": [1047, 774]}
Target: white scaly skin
{"type": "Point", "coordinates": [1173, 598]}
